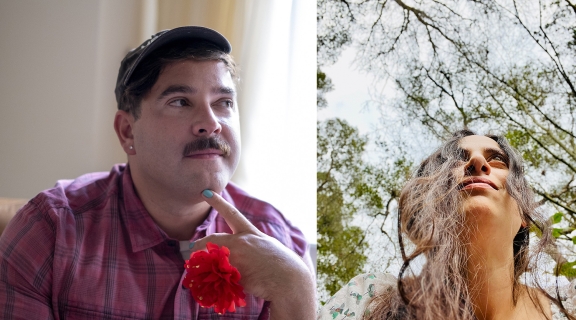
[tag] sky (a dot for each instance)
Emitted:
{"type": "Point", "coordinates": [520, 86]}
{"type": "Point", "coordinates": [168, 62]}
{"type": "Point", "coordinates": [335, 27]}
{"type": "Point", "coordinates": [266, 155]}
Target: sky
{"type": "Point", "coordinates": [353, 99]}
{"type": "Point", "coordinates": [351, 91]}
{"type": "Point", "coordinates": [348, 100]}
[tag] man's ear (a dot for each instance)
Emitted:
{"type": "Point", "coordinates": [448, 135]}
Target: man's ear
{"type": "Point", "coordinates": [123, 125]}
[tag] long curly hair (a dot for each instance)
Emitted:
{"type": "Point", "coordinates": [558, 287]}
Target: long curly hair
{"type": "Point", "coordinates": [430, 216]}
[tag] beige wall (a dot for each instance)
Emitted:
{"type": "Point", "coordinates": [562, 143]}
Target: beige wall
{"type": "Point", "coordinates": [58, 65]}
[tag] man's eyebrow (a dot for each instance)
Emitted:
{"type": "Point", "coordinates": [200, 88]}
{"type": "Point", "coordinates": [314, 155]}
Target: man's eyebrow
{"type": "Point", "coordinates": [224, 90]}
{"type": "Point", "coordinates": [176, 89]}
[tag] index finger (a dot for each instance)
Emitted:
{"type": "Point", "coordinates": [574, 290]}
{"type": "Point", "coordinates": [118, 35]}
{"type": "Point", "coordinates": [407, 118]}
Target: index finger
{"type": "Point", "coordinates": [235, 220]}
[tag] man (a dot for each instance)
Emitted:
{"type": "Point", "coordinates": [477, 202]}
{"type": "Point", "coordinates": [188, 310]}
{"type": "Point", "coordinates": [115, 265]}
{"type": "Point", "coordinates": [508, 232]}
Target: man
{"type": "Point", "coordinates": [112, 245]}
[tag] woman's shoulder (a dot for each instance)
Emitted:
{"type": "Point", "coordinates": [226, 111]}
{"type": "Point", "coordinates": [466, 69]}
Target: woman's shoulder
{"type": "Point", "coordinates": [351, 301]}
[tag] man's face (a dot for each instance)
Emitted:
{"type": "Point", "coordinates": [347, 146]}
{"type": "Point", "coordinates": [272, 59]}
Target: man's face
{"type": "Point", "coordinates": [187, 138]}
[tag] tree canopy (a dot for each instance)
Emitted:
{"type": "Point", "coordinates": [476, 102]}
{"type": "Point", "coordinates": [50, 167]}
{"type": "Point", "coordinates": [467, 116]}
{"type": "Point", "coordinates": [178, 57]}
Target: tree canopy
{"type": "Point", "coordinates": [504, 66]}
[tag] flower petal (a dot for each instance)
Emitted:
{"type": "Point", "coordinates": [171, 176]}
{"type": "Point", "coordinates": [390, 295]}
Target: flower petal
{"type": "Point", "coordinates": [213, 281]}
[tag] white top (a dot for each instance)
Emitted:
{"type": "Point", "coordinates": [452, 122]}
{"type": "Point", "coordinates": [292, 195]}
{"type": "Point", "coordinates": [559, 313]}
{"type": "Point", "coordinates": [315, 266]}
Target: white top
{"type": "Point", "coordinates": [352, 300]}
{"type": "Point", "coordinates": [185, 250]}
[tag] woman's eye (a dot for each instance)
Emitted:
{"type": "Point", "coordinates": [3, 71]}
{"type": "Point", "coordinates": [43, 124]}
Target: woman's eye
{"type": "Point", "coordinates": [178, 103]}
{"type": "Point", "coordinates": [499, 158]}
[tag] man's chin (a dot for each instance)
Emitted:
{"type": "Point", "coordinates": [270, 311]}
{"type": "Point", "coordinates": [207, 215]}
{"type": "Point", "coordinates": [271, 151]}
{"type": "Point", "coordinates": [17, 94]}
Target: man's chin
{"type": "Point", "coordinates": [214, 181]}
{"type": "Point", "coordinates": [218, 188]}
{"type": "Point", "coordinates": [198, 178]}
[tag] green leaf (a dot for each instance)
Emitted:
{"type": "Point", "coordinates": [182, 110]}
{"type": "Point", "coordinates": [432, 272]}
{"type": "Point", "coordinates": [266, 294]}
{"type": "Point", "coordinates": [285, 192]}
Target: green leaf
{"type": "Point", "coordinates": [557, 217]}
{"type": "Point", "coordinates": [556, 232]}
{"type": "Point", "coordinates": [536, 230]}
{"type": "Point", "coordinates": [568, 269]}
{"type": "Point", "coordinates": [574, 240]}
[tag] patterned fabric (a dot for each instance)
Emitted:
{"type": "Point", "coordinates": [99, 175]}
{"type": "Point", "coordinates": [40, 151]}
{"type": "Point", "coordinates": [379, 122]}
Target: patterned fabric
{"type": "Point", "coordinates": [352, 300]}
{"type": "Point", "coordinates": [88, 249]}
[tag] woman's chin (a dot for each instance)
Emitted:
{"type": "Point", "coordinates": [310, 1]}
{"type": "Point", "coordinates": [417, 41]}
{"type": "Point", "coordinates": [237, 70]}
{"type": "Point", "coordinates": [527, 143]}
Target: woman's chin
{"type": "Point", "coordinates": [480, 207]}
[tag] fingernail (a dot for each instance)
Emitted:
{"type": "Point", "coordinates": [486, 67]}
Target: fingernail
{"type": "Point", "coordinates": [191, 245]}
{"type": "Point", "coordinates": [207, 193]}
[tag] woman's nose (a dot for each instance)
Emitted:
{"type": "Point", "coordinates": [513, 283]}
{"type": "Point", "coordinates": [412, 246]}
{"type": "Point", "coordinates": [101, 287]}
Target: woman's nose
{"type": "Point", "coordinates": [477, 165]}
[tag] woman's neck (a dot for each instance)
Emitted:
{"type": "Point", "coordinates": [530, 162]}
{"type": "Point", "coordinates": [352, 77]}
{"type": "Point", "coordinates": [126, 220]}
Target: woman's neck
{"type": "Point", "coordinates": [491, 287]}
{"type": "Point", "coordinates": [491, 284]}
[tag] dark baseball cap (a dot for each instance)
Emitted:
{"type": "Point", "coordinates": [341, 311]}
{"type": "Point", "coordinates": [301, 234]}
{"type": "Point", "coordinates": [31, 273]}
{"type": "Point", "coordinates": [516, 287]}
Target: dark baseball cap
{"type": "Point", "coordinates": [161, 39]}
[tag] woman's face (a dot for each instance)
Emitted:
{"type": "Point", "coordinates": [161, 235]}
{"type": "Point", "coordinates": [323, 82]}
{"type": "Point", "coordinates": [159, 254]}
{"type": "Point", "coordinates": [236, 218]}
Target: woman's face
{"type": "Point", "coordinates": [492, 215]}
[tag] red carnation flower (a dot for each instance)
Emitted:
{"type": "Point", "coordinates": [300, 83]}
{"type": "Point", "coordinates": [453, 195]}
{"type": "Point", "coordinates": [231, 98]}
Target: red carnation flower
{"type": "Point", "coordinates": [213, 281]}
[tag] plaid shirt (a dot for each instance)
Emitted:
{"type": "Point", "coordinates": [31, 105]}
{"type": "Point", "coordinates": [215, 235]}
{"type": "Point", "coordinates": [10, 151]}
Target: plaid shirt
{"type": "Point", "coordinates": [88, 249]}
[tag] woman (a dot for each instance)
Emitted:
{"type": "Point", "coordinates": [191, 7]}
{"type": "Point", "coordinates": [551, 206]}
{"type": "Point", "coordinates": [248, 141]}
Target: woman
{"type": "Point", "coordinates": [467, 212]}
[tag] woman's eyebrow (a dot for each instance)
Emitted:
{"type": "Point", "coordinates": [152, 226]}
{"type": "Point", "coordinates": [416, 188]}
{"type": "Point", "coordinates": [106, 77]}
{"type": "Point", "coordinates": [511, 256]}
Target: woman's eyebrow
{"type": "Point", "coordinates": [494, 150]}
{"type": "Point", "coordinates": [462, 153]}
{"type": "Point", "coordinates": [498, 151]}
{"type": "Point", "coordinates": [488, 150]}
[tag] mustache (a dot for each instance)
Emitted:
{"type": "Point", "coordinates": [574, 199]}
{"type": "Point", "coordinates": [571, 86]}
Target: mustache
{"type": "Point", "coordinates": [208, 143]}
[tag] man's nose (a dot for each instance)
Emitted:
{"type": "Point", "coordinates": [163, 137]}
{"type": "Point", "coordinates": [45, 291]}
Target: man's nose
{"type": "Point", "coordinates": [206, 122]}
{"type": "Point", "coordinates": [477, 165]}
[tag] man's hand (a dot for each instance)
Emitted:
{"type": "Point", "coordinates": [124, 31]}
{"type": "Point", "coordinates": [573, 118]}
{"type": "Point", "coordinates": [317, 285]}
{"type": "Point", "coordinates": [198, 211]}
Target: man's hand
{"type": "Point", "coordinates": [268, 269]}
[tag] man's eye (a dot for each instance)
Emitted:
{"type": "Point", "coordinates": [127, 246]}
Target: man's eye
{"type": "Point", "coordinates": [225, 103]}
{"type": "Point", "coordinates": [178, 103]}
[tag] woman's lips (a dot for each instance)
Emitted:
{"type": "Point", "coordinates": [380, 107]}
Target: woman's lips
{"type": "Point", "coordinates": [477, 183]}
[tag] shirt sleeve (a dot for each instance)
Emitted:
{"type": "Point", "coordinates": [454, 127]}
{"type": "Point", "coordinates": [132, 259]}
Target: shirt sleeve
{"type": "Point", "coordinates": [351, 301]}
{"type": "Point", "coordinates": [300, 246]}
{"type": "Point", "coordinates": [26, 257]}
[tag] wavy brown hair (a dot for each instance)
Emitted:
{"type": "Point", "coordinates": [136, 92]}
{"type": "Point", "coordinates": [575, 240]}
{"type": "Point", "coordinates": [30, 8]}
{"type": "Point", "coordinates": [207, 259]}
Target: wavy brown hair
{"type": "Point", "coordinates": [430, 216]}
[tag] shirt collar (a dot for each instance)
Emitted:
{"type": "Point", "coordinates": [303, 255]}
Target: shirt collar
{"type": "Point", "coordinates": [143, 231]}
{"type": "Point", "coordinates": [210, 226]}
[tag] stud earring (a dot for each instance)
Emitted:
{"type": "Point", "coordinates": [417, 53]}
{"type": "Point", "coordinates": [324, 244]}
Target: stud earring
{"type": "Point", "coordinates": [131, 147]}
